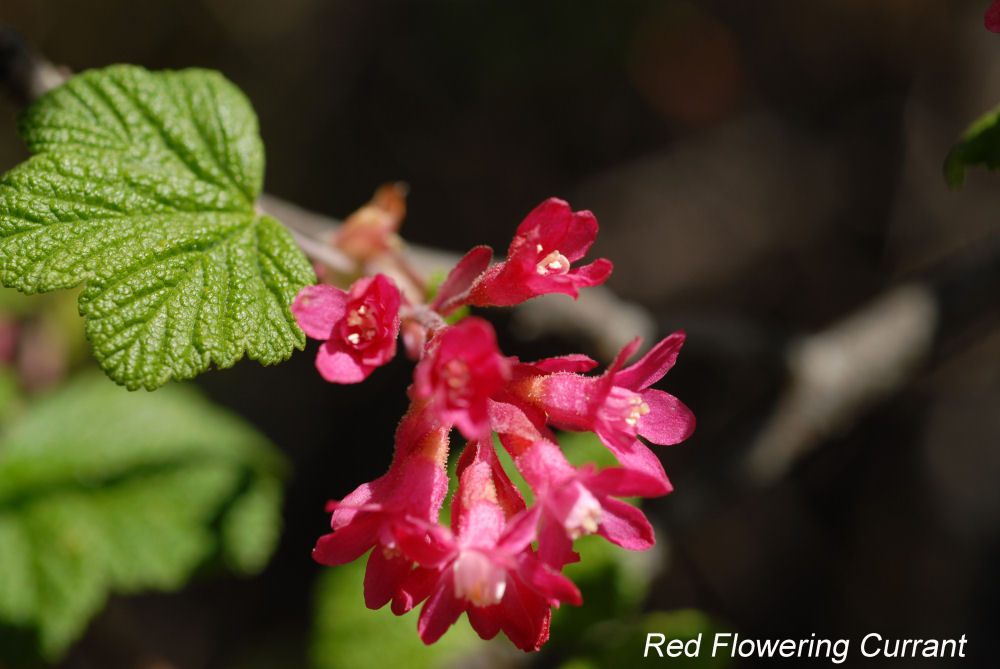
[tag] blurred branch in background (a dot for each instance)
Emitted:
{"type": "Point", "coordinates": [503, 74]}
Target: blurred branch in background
{"type": "Point", "coordinates": [839, 373]}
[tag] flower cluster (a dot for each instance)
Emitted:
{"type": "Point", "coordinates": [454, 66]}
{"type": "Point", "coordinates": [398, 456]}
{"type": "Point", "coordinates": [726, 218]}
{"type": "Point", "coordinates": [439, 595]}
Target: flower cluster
{"type": "Point", "coordinates": [500, 561]}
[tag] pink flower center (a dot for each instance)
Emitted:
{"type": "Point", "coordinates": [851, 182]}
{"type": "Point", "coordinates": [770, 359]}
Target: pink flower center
{"type": "Point", "coordinates": [360, 326]}
{"type": "Point", "coordinates": [623, 408]}
{"type": "Point", "coordinates": [553, 263]}
{"type": "Point", "coordinates": [455, 375]}
{"type": "Point", "coordinates": [478, 579]}
{"type": "Point", "coordinates": [636, 409]}
{"type": "Point", "coordinates": [580, 511]}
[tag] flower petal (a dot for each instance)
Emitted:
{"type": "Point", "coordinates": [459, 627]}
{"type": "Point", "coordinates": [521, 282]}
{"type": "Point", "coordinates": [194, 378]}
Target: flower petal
{"type": "Point", "coordinates": [576, 363]}
{"type": "Point", "coordinates": [592, 274]}
{"type": "Point", "coordinates": [485, 620]}
{"type": "Point", "coordinates": [349, 542]}
{"type": "Point", "coordinates": [509, 497]}
{"type": "Point", "coordinates": [460, 279]}
{"type": "Point", "coordinates": [579, 235]}
{"type": "Point", "coordinates": [317, 308]}
{"type": "Point", "coordinates": [383, 577]}
{"type": "Point", "coordinates": [668, 420]}
{"type": "Point", "coordinates": [439, 612]}
{"type": "Point", "coordinates": [625, 525]}
{"type": "Point", "coordinates": [526, 616]}
{"type": "Point", "coordinates": [555, 548]}
{"type": "Point", "coordinates": [416, 587]}
{"type": "Point", "coordinates": [652, 366]}
{"type": "Point", "coordinates": [554, 586]}
{"type": "Point", "coordinates": [337, 364]}
{"type": "Point", "coordinates": [622, 482]}
{"type": "Point", "coordinates": [430, 547]}
{"type": "Point", "coordinates": [635, 455]}
{"type": "Point", "coordinates": [520, 531]}
{"type": "Point", "coordinates": [555, 226]}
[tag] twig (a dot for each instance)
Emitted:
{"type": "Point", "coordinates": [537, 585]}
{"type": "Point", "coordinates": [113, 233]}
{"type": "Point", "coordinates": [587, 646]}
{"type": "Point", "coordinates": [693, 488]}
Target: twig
{"type": "Point", "coordinates": [841, 371]}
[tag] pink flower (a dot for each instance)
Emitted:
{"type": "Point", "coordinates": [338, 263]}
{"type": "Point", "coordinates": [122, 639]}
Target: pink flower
{"type": "Point", "coordinates": [539, 260]}
{"type": "Point", "coordinates": [619, 405]}
{"type": "Point", "coordinates": [486, 569]}
{"type": "Point", "coordinates": [574, 501]}
{"type": "Point", "coordinates": [461, 370]}
{"type": "Point", "coordinates": [402, 501]}
{"type": "Point", "coordinates": [992, 18]}
{"type": "Point", "coordinates": [359, 327]}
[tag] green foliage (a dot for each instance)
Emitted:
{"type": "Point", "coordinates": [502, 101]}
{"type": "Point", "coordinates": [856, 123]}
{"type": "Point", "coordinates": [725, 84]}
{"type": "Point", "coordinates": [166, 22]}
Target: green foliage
{"type": "Point", "coordinates": [978, 145]}
{"type": "Point", "coordinates": [143, 189]}
{"type": "Point", "coordinates": [347, 635]}
{"type": "Point", "coordinates": [610, 626]}
{"type": "Point", "coordinates": [103, 490]}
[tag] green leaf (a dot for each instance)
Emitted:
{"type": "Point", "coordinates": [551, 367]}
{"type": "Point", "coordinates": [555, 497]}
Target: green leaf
{"type": "Point", "coordinates": [103, 491]}
{"type": "Point", "coordinates": [978, 145]}
{"type": "Point", "coordinates": [347, 635]}
{"type": "Point", "coordinates": [143, 189]}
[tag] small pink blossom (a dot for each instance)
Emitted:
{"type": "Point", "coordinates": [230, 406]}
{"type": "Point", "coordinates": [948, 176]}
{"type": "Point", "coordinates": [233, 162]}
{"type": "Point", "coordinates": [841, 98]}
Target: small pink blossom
{"type": "Point", "coordinates": [486, 568]}
{"type": "Point", "coordinates": [540, 258]}
{"type": "Point", "coordinates": [401, 502]}
{"type": "Point", "coordinates": [359, 327]}
{"type": "Point", "coordinates": [619, 405]}
{"type": "Point", "coordinates": [461, 370]}
{"type": "Point", "coordinates": [574, 501]}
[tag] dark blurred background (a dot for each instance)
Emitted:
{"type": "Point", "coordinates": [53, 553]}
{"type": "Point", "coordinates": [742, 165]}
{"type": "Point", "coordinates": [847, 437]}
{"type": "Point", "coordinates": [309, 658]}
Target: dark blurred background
{"type": "Point", "coordinates": [760, 171]}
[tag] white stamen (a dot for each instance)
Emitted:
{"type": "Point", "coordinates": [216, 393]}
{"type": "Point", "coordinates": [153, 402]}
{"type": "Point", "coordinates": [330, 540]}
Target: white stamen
{"type": "Point", "coordinates": [636, 409]}
{"type": "Point", "coordinates": [585, 515]}
{"type": "Point", "coordinates": [478, 579]}
{"type": "Point", "coordinates": [361, 325]}
{"type": "Point", "coordinates": [553, 263]}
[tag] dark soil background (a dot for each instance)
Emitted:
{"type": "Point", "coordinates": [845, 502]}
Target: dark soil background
{"type": "Point", "coordinates": [759, 170]}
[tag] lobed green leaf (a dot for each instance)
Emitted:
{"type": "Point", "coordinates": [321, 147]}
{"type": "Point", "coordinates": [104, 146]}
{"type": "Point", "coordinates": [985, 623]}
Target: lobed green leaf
{"type": "Point", "coordinates": [143, 189]}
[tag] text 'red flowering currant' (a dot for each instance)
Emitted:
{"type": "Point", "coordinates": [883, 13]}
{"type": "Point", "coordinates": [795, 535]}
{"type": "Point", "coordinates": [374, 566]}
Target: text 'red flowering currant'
{"type": "Point", "coordinates": [500, 561]}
